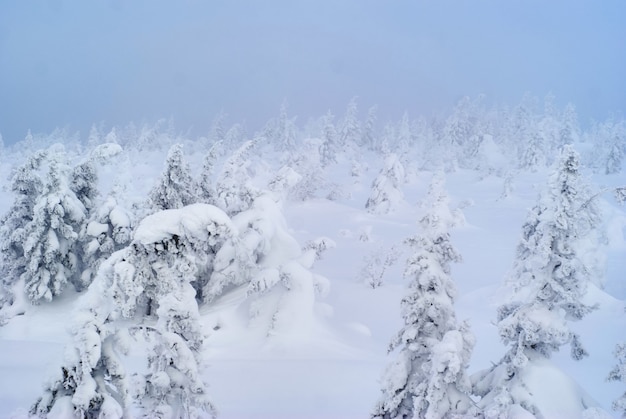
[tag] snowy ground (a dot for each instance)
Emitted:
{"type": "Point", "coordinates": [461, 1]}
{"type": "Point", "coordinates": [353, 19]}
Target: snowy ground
{"type": "Point", "coordinates": [332, 370]}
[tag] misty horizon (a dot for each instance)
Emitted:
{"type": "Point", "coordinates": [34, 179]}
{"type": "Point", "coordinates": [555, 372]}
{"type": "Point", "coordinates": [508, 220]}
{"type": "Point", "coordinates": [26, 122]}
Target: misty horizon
{"type": "Point", "coordinates": [73, 64]}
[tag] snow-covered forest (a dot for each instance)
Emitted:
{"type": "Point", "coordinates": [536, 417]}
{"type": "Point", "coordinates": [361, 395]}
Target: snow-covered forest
{"type": "Point", "coordinates": [468, 264]}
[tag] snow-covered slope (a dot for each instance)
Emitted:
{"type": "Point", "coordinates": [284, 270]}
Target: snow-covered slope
{"type": "Point", "coordinates": [333, 371]}
{"type": "Point", "coordinates": [331, 367]}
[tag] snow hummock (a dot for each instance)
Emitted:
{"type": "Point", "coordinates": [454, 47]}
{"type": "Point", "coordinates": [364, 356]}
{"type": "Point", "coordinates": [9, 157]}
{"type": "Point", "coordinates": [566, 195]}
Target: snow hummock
{"type": "Point", "coordinates": [200, 221]}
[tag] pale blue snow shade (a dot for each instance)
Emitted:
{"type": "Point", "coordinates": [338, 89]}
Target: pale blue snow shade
{"type": "Point", "coordinates": [78, 62]}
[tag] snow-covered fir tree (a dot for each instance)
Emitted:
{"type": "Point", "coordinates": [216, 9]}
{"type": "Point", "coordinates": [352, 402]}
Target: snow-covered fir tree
{"type": "Point", "coordinates": [176, 187]}
{"type": "Point", "coordinates": [217, 132]}
{"type": "Point", "coordinates": [306, 162]}
{"type": "Point", "coordinates": [548, 127]}
{"type": "Point", "coordinates": [51, 248]}
{"type": "Point", "coordinates": [618, 373]}
{"type": "Point", "coordinates": [136, 340]}
{"type": "Point", "coordinates": [609, 138]}
{"type": "Point", "coordinates": [285, 130]}
{"type": "Point", "coordinates": [205, 184]}
{"type": "Point", "coordinates": [520, 131]}
{"type": "Point", "coordinates": [369, 127]}
{"type": "Point", "coordinates": [570, 128]}
{"type": "Point", "coordinates": [436, 196]}
{"type": "Point", "coordinates": [95, 136]}
{"type": "Point", "coordinates": [112, 137]}
{"type": "Point", "coordinates": [349, 134]}
{"type": "Point", "coordinates": [328, 148]}
{"type": "Point", "coordinates": [143, 293]}
{"type": "Point", "coordinates": [26, 185]}
{"type": "Point", "coordinates": [549, 282]}
{"type": "Point", "coordinates": [533, 153]}
{"type": "Point", "coordinates": [428, 379]}
{"type": "Point", "coordinates": [386, 193]}
{"type": "Point", "coordinates": [92, 381]}
{"type": "Point", "coordinates": [84, 183]}
{"type": "Point", "coordinates": [108, 230]}
{"type": "Point", "coordinates": [234, 137]}
{"type": "Point", "coordinates": [234, 191]}
{"type": "Point", "coordinates": [405, 137]}
{"type": "Point", "coordinates": [457, 134]}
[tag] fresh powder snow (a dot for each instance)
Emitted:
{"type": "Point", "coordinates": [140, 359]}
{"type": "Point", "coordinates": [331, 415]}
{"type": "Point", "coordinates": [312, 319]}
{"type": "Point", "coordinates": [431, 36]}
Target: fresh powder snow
{"type": "Point", "coordinates": [294, 250]}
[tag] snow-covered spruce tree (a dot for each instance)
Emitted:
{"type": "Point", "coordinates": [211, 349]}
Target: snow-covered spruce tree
{"type": "Point", "coordinates": [306, 162]}
{"type": "Point", "coordinates": [206, 188]}
{"type": "Point", "coordinates": [92, 381]}
{"type": "Point", "coordinates": [285, 130]}
{"type": "Point", "coordinates": [217, 132]}
{"type": "Point", "coordinates": [616, 148]}
{"type": "Point", "coordinates": [84, 183]}
{"type": "Point", "coordinates": [149, 136]}
{"type": "Point", "coordinates": [388, 139]}
{"type": "Point", "coordinates": [609, 139]}
{"type": "Point", "coordinates": [533, 152]}
{"type": "Point", "coordinates": [108, 230]}
{"type": "Point", "coordinates": [95, 136]}
{"type": "Point", "coordinates": [233, 190]}
{"type": "Point", "coordinates": [51, 247]}
{"type": "Point", "coordinates": [328, 147]}
{"type": "Point", "coordinates": [112, 137]}
{"type": "Point", "coordinates": [569, 132]}
{"type": "Point", "coordinates": [548, 127]}
{"type": "Point", "coordinates": [234, 137]}
{"type": "Point", "coordinates": [428, 378]}
{"type": "Point", "coordinates": [26, 185]}
{"type": "Point", "coordinates": [350, 128]}
{"type": "Point", "coordinates": [548, 283]}
{"type": "Point", "coordinates": [405, 139]}
{"type": "Point", "coordinates": [438, 197]}
{"type": "Point", "coordinates": [520, 131]}
{"type": "Point", "coordinates": [618, 373]}
{"type": "Point", "coordinates": [145, 294]}
{"type": "Point", "coordinates": [369, 135]}
{"type": "Point", "coordinates": [459, 134]}
{"type": "Point", "coordinates": [176, 187]}
{"type": "Point", "coordinates": [386, 193]}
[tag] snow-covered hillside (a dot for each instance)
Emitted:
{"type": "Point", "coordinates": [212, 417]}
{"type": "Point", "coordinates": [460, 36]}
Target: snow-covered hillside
{"type": "Point", "coordinates": [296, 266]}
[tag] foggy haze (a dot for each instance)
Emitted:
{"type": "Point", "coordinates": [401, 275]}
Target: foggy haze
{"type": "Point", "coordinates": [75, 63]}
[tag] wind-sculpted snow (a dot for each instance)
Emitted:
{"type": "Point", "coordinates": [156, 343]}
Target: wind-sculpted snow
{"type": "Point", "coordinates": [198, 221]}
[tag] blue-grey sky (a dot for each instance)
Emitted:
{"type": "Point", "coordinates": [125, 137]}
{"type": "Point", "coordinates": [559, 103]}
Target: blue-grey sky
{"type": "Point", "coordinates": [76, 62]}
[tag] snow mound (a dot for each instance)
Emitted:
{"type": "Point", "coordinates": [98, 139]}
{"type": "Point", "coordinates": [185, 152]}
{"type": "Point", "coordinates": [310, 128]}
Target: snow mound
{"type": "Point", "coordinates": [200, 221]}
{"type": "Point", "coordinates": [555, 393]}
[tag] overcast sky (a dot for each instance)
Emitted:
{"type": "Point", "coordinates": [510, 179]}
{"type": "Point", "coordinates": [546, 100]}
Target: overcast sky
{"type": "Point", "coordinates": [114, 61]}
